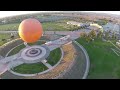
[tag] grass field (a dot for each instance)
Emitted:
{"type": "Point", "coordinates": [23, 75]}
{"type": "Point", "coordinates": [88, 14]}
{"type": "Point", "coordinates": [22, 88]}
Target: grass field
{"type": "Point", "coordinates": [104, 62]}
{"type": "Point", "coordinates": [37, 43]}
{"type": "Point", "coordinates": [58, 26]}
{"type": "Point", "coordinates": [4, 36]}
{"type": "Point", "coordinates": [55, 26]}
{"type": "Point", "coordinates": [9, 27]}
{"type": "Point", "coordinates": [54, 56]}
{"type": "Point", "coordinates": [30, 68]}
{"type": "Point", "coordinates": [16, 50]}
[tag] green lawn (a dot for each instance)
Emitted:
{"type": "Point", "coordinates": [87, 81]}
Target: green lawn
{"type": "Point", "coordinates": [54, 56]}
{"type": "Point", "coordinates": [37, 43]}
{"type": "Point", "coordinates": [9, 27]}
{"type": "Point", "coordinates": [104, 63]}
{"type": "Point", "coordinates": [60, 25]}
{"type": "Point", "coordinates": [30, 68]}
{"type": "Point", "coordinates": [16, 50]}
{"type": "Point", "coordinates": [4, 36]}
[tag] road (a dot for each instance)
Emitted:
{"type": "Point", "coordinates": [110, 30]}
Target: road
{"type": "Point", "coordinates": [54, 32]}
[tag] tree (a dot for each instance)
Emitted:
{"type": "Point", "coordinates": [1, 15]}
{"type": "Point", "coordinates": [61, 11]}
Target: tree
{"type": "Point", "coordinates": [99, 35]}
{"type": "Point", "coordinates": [3, 40]}
{"type": "Point", "coordinates": [88, 38]}
{"type": "Point", "coordinates": [92, 34]}
{"type": "Point", "coordinates": [83, 35]}
{"type": "Point", "coordinates": [107, 35]}
{"type": "Point", "coordinates": [113, 35]}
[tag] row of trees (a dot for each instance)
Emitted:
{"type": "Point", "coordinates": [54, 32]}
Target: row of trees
{"type": "Point", "coordinates": [39, 16]}
{"type": "Point", "coordinates": [107, 35]}
{"type": "Point", "coordinates": [90, 36]}
{"type": "Point", "coordinates": [19, 18]}
{"type": "Point", "coordinates": [102, 21]}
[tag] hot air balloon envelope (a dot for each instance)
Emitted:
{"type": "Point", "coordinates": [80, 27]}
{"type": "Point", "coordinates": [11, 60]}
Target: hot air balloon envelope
{"type": "Point", "coordinates": [30, 30]}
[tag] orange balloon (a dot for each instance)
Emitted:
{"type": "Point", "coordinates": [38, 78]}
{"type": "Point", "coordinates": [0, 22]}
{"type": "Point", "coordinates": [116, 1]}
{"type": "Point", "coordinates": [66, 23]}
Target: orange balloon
{"type": "Point", "coordinates": [30, 30]}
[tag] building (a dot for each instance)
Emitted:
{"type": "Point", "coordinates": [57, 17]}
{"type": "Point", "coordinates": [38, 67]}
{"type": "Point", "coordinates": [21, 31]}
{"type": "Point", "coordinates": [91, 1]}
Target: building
{"type": "Point", "coordinates": [95, 27]}
{"type": "Point", "coordinates": [112, 27]}
{"type": "Point", "coordinates": [118, 43]}
{"type": "Point", "coordinates": [85, 25]}
{"type": "Point", "coordinates": [78, 24]}
{"type": "Point", "coordinates": [4, 21]}
{"type": "Point", "coordinates": [74, 23]}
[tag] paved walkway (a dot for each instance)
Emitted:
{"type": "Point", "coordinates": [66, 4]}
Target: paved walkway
{"type": "Point", "coordinates": [86, 58]}
{"type": "Point", "coordinates": [53, 32]}
{"type": "Point", "coordinates": [3, 68]}
{"type": "Point", "coordinates": [46, 64]}
{"type": "Point", "coordinates": [51, 45]}
{"type": "Point", "coordinates": [79, 68]}
{"type": "Point", "coordinates": [9, 59]}
{"type": "Point", "coordinates": [57, 43]}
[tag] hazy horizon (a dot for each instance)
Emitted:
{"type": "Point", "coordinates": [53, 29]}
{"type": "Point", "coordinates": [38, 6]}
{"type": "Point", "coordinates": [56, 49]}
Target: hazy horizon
{"type": "Point", "coordinates": [13, 13]}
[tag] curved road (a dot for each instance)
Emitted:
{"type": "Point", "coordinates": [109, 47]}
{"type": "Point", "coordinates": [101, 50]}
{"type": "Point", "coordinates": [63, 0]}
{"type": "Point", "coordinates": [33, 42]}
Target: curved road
{"type": "Point", "coordinates": [80, 67]}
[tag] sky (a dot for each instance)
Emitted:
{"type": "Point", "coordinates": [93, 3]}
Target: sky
{"type": "Point", "coordinates": [12, 13]}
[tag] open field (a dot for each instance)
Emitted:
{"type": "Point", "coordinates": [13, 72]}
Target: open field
{"type": "Point", "coordinates": [9, 27]}
{"type": "Point", "coordinates": [4, 36]}
{"type": "Point", "coordinates": [16, 50]}
{"type": "Point", "coordinates": [60, 25]}
{"type": "Point", "coordinates": [104, 62]}
{"type": "Point", "coordinates": [54, 56]}
{"type": "Point", "coordinates": [30, 68]}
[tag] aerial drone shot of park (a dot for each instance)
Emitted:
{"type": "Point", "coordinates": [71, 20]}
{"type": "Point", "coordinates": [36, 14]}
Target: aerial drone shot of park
{"type": "Point", "coordinates": [59, 45]}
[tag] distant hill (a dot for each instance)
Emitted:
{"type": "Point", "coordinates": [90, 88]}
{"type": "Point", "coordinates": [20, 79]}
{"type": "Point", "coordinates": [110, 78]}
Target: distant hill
{"type": "Point", "coordinates": [79, 14]}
